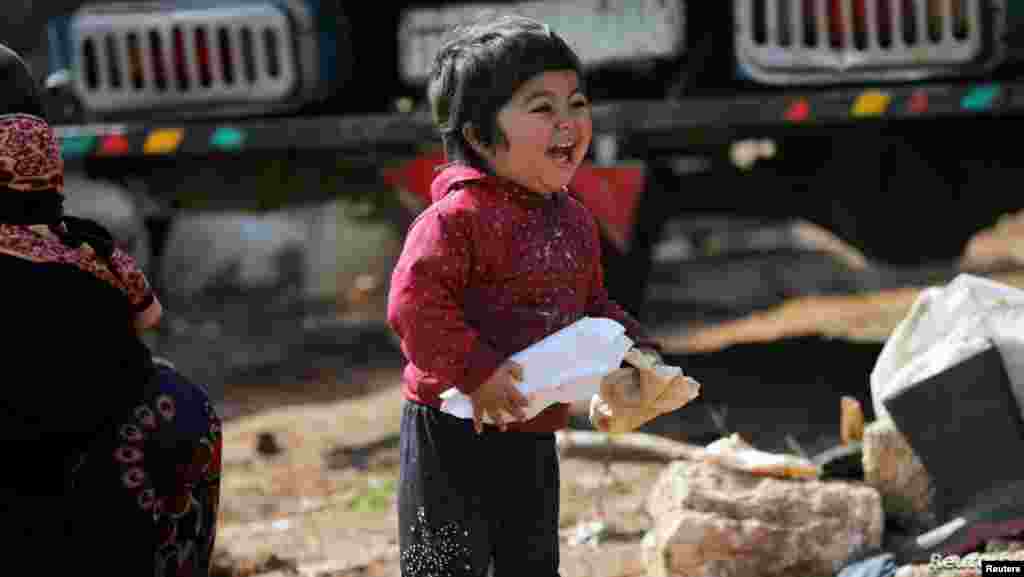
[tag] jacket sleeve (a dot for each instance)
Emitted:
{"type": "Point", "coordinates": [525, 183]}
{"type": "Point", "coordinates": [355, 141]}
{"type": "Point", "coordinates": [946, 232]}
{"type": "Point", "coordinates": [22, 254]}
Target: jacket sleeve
{"type": "Point", "coordinates": [425, 303]}
{"type": "Point", "coordinates": [599, 304]}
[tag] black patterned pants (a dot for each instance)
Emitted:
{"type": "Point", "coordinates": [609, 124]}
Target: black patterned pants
{"type": "Point", "coordinates": [466, 501]}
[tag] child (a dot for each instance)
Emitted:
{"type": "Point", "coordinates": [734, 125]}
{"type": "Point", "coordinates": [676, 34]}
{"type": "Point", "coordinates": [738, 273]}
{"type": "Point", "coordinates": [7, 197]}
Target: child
{"type": "Point", "coordinates": [502, 258]}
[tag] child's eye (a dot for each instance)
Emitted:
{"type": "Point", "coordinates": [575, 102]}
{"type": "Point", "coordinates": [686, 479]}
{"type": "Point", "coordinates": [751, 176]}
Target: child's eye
{"type": "Point", "coordinates": [542, 108]}
{"type": "Point", "coordinates": [581, 103]}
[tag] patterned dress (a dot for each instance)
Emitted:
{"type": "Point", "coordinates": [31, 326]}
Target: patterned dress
{"type": "Point", "coordinates": [158, 469]}
{"type": "Point", "coordinates": [112, 461]}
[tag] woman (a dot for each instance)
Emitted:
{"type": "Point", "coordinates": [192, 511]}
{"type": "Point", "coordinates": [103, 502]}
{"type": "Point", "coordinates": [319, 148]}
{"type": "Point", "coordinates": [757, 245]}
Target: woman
{"type": "Point", "coordinates": [113, 460]}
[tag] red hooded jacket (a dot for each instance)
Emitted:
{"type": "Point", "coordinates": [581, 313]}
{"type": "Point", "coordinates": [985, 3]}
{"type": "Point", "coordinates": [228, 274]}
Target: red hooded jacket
{"type": "Point", "coordinates": [487, 270]}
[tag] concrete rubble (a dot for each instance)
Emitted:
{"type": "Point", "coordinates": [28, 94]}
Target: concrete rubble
{"type": "Point", "coordinates": [891, 467]}
{"type": "Point", "coordinates": [714, 521]}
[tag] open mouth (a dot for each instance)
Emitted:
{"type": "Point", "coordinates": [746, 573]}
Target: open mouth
{"type": "Point", "coordinates": [563, 153]}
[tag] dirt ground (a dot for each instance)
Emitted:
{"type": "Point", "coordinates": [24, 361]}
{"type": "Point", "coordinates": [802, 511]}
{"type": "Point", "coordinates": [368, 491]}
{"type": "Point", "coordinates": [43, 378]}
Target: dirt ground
{"type": "Point", "coordinates": [311, 453]}
{"type": "Point", "coordinates": [311, 462]}
{"type": "Point", "coordinates": [308, 486]}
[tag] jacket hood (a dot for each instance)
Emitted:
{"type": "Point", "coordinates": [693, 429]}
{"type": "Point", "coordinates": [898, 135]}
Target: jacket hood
{"type": "Point", "coordinates": [451, 176]}
{"type": "Point", "coordinates": [455, 174]}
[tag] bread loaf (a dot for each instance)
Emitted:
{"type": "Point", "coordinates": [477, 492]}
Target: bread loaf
{"type": "Point", "coordinates": [632, 396]}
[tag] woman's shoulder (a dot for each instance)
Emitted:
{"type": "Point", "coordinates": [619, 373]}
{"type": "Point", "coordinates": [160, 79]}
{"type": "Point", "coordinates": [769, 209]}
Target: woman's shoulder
{"type": "Point", "coordinates": [44, 283]}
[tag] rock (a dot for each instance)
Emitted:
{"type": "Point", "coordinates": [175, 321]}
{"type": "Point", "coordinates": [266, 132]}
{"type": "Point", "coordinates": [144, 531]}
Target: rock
{"type": "Point", "coordinates": [709, 520]}
{"type": "Point", "coordinates": [891, 467]}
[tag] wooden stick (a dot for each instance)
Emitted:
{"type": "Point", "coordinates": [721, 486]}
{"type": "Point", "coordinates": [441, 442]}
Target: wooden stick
{"type": "Point", "coordinates": [633, 446]}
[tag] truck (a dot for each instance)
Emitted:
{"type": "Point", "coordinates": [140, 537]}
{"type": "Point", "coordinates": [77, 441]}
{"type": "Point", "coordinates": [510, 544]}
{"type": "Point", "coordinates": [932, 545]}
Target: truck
{"type": "Point", "coordinates": [879, 120]}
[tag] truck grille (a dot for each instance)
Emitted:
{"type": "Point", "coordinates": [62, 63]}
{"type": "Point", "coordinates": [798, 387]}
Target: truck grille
{"type": "Point", "coordinates": [125, 60]}
{"type": "Point", "coordinates": [603, 32]}
{"type": "Point", "coordinates": [796, 41]}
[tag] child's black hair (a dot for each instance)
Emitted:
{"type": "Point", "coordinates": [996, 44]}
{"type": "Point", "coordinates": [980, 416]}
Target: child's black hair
{"type": "Point", "coordinates": [478, 69]}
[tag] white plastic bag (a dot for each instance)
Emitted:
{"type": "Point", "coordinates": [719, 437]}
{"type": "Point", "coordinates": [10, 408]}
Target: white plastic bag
{"type": "Point", "coordinates": [564, 367]}
{"type": "Point", "coordinates": [947, 325]}
{"type": "Point", "coordinates": [1006, 329]}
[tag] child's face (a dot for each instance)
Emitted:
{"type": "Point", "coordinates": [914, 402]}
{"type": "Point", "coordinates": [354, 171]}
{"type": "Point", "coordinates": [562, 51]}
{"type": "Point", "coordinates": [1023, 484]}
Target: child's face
{"type": "Point", "coordinates": [548, 128]}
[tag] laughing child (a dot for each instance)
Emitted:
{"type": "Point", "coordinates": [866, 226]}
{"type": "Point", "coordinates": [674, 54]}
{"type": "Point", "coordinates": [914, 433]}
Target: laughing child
{"type": "Point", "coordinates": [503, 257]}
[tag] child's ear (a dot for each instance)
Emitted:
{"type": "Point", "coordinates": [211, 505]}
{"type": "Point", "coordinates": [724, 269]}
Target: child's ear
{"type": "Point", "coordinates": [472, 136]}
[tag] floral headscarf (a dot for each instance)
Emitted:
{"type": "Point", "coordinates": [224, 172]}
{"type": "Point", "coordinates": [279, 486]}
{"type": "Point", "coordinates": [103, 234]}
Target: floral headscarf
{"type": "Point", "coordinates": [29, 156]}
{"type": "Point", "coordinates": [32, 223]}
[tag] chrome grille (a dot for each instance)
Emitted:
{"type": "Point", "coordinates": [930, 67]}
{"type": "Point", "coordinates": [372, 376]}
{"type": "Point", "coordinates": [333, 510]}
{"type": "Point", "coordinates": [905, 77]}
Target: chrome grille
{"type": "Point", "coordinates": [602, 31]}
{"type": "Point", "coordinates": [794, 40]}
{"type": "Point", "coordinates": [155, 59]}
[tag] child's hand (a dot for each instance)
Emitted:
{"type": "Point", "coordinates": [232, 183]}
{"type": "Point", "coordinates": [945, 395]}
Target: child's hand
{"type": "Point", "coordinates": [652, 353]}
{"type": "Point", "coordinates": [497, 394]}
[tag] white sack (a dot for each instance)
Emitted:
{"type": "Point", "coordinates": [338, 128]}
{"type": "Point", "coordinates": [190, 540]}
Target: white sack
{"type": "Point", "coordinates": [947, 325]}
{"type": "Point", "coordinates": [564, 367]}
